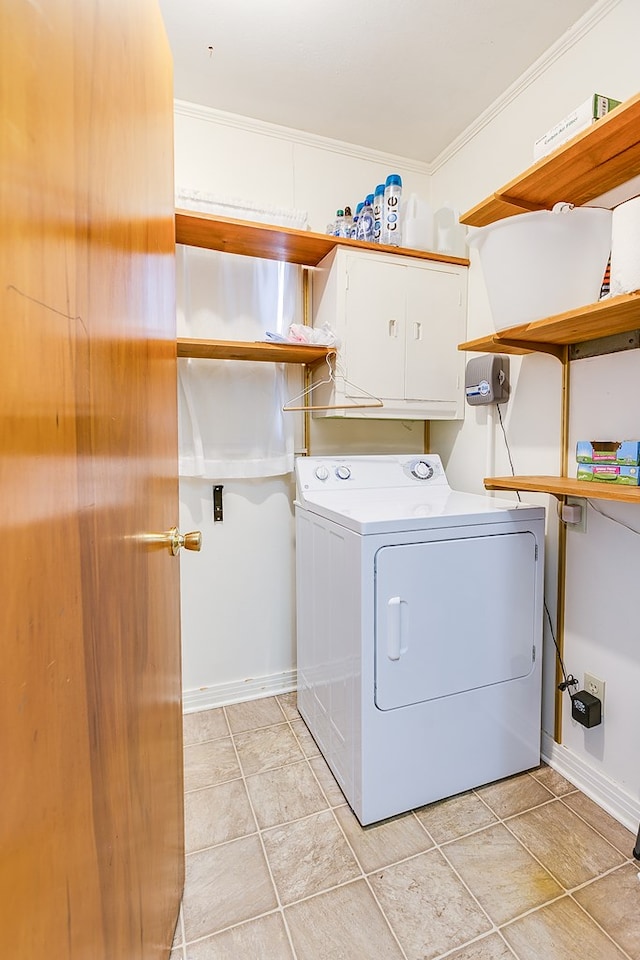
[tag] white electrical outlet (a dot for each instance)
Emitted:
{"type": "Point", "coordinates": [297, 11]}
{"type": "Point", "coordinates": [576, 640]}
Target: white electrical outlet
{"type": "Point", "coordinates": [581, 526]}
{"type": "Point", "coordinates": [595, 687]}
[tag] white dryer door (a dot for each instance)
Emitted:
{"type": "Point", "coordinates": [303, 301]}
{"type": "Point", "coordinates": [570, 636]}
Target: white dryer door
{"type": "Point", "coordinates": [453, 615]}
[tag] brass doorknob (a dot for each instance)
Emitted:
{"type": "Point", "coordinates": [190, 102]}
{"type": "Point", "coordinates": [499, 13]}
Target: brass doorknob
{"type": "Point", "coordinates": [190, 541]}
{"type": "Point", "coordinates": [172, 539]}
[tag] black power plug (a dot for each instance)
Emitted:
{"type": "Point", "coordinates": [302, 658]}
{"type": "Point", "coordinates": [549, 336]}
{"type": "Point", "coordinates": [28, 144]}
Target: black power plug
{"type": "Point", "coordinates": [586, 709]}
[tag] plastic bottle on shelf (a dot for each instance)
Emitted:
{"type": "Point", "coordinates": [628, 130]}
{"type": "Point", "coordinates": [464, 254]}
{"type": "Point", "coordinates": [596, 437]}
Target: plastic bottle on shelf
{"type": "Point", "coordinates": [365, 220]}
{"type": "Point", "coordinates": [347, 223]}
{"type": "Point", "coordinates": [378, 205]}
{"type": "Point", "coordinates": [356, 217]}
{"type": "Point", "coordinates": [339, 223]}
{"type": "Point", "coordinates": [391, 226]}
{"type": "Point", "coordinates": [417, 223]}
{"type": "Point", "coordinates": [450, 235]}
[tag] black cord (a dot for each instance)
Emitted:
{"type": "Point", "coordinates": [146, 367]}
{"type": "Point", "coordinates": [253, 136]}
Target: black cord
{"type": "Point", "coordinates": [607, 516]}
{"type": "Point", "coordinates": [568, 681]}
{"type": "Point", "coordinates": [506, 443]}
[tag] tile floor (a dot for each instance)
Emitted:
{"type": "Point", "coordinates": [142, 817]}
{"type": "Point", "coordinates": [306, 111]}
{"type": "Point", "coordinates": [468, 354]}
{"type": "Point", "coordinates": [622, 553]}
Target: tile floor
{"type": "Point", "coordinates": [278, 868]}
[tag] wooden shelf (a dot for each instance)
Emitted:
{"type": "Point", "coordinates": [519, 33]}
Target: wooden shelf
{"type": "Point", "coordinates": [566, 486]}
{"type": "Point", "coordinates": [617, 315]}
{"type": "Point", "coordinates": [252, 350]}
{"type": "Point", "coordinates": [270, 242]}
{"type": "Point", "coordinates": [592, 163]}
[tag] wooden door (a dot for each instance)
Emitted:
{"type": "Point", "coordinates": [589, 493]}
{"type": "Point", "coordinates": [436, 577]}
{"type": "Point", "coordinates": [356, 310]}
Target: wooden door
{"type": "Point", "coordinates": [91, 849]}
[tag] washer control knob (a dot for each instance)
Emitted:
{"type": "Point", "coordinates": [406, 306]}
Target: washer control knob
{"type": "Point", "coordinates": [343, 472]}
{"type": "Point", "coordinates": [322, 473]}
{"type": "Point", "coordinates": [422, 470]}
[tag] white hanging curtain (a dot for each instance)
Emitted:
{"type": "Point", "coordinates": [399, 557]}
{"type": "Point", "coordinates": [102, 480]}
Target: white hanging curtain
{"type": "Point", "coordinates": [231, 422]}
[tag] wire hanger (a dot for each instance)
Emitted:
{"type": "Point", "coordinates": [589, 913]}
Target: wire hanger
{"type": "Point", "coordinates": [332, 378]}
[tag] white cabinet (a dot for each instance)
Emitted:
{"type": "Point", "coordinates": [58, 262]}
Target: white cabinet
{"type": "Point", "coordinates": [399, 321]}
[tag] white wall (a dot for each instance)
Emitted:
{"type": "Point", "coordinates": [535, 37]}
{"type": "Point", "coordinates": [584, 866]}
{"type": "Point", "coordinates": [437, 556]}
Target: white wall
{"type": "Point", "coordinates": [233, 156]}
{"type": "Point", "coordinates": [238, 616]}
{"type": "Point", "coordinates": [601, 636]}
{"type": "Point", "coordinates": [238, 595]}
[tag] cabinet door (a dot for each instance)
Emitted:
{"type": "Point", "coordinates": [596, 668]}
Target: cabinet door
{"type": "Point", "coordinates": [435, 306]}
{"type": "Point", "coordinates": [374, 347]}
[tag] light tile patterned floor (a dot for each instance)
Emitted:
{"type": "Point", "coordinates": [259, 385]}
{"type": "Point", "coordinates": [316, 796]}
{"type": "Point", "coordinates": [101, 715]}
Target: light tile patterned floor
{"type": "Point", "coordinates": [278, 868]}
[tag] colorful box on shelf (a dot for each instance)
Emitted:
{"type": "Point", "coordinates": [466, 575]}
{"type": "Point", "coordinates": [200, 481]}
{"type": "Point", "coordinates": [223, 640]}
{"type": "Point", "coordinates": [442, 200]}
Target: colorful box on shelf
{"type": "Point", "coordinates": [620, 474]}
{"type": "Point", "coordinates": [579, 119]}
{"type": "Point", "coordinates": [608, 451]}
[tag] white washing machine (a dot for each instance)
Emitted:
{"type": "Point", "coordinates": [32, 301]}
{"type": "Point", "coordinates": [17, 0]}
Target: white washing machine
{"type": "Point", "coordinates": [419, 622]}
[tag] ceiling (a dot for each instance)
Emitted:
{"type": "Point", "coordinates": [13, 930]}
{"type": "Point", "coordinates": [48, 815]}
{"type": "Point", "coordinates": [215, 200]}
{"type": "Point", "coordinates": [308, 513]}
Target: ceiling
{"type": "Point", "coordinates": [405, 77]}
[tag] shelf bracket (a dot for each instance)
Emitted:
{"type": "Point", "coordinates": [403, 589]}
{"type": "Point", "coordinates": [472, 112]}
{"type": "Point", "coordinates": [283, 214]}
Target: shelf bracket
{"type": "Point", "coordinates": [615, 343]}
{"type": "Point", "coordinates": [524, 205]}
{"type": "Point", "coordinates": [557, 350]}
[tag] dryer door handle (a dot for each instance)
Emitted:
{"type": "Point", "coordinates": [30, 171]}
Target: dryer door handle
{"type": "Point", "coordinates": [394, 628]}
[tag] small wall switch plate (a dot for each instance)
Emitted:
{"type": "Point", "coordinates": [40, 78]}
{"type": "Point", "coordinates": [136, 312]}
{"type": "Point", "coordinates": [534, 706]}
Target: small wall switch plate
{"type": "Point", "coordinates": [578, 525]}
{"type": "Point", "coordinates": [595, 687]}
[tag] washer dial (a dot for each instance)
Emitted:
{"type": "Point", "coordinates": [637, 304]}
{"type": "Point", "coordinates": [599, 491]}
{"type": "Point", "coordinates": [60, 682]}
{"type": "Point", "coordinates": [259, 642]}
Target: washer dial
{"type": "Point", "coordinates": [322, 473]}
{"type": "Point", "coordinates": [343, 472]}
{"type": "Point", "coordinates": [422, 470]}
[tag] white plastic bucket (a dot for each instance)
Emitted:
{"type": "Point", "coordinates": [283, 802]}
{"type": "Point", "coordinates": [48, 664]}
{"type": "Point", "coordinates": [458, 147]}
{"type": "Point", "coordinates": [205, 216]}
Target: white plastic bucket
{"type": "Point", "coordinates": [625, 247]}
{"type": "Point", "coordinates": [539, 264]}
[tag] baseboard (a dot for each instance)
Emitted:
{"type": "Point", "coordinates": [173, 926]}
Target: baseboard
{"type": "Point", "coordinates": [606, 793]}
{"type": "Point", "coordinates": [204, 698]}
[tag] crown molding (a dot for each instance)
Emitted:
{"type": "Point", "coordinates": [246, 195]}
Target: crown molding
{"type": "Point", "coordinates": [568, 40]}
{"type": "Point", "coordinates": [196, 111]}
